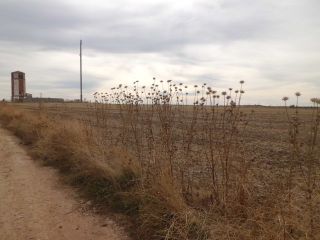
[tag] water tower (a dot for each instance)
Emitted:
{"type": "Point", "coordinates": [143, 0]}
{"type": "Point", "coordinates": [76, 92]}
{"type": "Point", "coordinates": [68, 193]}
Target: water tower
{"type": "Point", "coordinates": [18, 86]}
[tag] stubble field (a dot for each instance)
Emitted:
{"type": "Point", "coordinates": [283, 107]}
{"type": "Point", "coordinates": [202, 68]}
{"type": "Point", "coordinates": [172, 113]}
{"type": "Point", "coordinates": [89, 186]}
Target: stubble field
{"type": "Point", "coordinates": [198, 171]}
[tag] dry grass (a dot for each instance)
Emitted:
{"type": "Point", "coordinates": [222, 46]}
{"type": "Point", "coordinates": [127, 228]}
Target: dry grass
{"type": "Point", "coordinates": [212, 169]}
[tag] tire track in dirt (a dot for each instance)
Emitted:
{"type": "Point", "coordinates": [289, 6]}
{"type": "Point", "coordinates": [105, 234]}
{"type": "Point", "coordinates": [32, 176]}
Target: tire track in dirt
{"type": "Point", "coordinates": [34, 205]}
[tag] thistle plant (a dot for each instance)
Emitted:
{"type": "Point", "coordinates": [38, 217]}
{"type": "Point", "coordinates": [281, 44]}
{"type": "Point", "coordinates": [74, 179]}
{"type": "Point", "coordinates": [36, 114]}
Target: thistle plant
{"type": "Point", "coordinates": [304, 163]}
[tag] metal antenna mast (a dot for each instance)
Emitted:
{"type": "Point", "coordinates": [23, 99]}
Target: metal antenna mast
{"type": "Point", "coordinates": [80, 70]}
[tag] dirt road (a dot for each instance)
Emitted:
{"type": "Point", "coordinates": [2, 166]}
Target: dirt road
{"type": "Point", "coordinates": [34, 205]}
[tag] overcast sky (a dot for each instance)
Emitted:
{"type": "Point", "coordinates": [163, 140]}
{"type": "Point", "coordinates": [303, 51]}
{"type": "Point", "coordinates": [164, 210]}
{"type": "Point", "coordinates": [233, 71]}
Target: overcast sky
{"type": "Point", "coordinates": [273, 45]}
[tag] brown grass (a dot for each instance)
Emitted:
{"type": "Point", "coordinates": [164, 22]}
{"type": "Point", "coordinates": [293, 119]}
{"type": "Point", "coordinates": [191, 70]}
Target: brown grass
{"type": "Point", "coordinates": [208, 170]}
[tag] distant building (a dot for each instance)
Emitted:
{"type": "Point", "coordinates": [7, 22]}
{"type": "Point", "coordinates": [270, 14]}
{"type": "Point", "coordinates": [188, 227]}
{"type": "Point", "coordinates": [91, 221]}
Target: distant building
{"type": "Point", "coordinates": [18, 86]}
{"type": "Point", "coordinates": [18, 90]}
{"type": "Point", "coordinates": [46, 100]}
{"type": "Point", "coordinates": [28, 96]}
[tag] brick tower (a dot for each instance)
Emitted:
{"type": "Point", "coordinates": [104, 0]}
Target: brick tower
{"type": "Point", "coordinates": [18, 86]}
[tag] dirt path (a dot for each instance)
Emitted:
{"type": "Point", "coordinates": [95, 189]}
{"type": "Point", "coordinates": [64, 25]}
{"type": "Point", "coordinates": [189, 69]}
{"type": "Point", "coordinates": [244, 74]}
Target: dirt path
{"type": "Point", "coordinates": [34, 205]}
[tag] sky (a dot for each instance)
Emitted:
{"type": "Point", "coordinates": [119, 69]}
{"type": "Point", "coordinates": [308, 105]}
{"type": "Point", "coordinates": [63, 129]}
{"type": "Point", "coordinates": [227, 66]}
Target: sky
{"type": "Point", "coordinates": [272, 45]}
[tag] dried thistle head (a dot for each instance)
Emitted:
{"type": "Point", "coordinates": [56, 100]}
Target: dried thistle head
{"type": "Point", "coordinates": [298, 94]}
{"type": "Point", "coordinates": [285, 99]}
{"type": "Point", "coordinates": [315, 100]}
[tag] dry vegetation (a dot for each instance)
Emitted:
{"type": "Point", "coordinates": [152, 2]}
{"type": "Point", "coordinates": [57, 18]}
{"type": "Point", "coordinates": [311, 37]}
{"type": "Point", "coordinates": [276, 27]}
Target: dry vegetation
{"type": "Point", "coordinates": [185, 163]}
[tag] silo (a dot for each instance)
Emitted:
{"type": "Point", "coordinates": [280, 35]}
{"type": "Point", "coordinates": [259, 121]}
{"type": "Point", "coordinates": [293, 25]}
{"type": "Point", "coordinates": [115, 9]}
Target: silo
{"type": "Point", "coordinates": [18, 86]}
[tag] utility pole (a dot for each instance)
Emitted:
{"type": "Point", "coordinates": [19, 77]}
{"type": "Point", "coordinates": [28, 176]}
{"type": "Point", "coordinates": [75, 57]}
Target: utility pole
{"type": "Point", "coordinates": [80, 70]}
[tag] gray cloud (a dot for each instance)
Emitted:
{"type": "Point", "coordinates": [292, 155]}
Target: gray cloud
{"type": "Point", "coordinates": [150, 28]}
{"type": "Point", "coordinates": [270, 43]}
